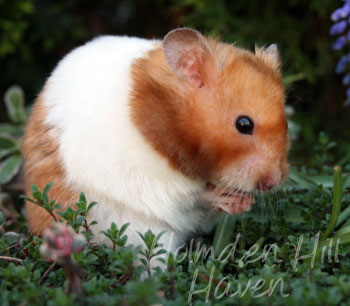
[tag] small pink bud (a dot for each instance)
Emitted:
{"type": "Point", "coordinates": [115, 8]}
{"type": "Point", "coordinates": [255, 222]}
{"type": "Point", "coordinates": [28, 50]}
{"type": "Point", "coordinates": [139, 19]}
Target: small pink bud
{"type": "Point", "coordinates": [60, 240]}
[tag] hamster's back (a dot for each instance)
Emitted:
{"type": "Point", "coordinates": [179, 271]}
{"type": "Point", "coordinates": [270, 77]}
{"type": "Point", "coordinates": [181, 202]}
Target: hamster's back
{"type": "Point", "coordinates": [82, 108]}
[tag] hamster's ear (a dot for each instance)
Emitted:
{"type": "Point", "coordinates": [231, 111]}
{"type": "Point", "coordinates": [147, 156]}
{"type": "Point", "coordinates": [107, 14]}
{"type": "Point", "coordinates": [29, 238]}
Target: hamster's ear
{"type": "Point", "coordinates": [188, 56]}
{"type": "Point", "coordinates": [270, 55]}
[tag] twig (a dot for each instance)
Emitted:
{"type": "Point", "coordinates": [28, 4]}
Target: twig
{"type": "Point", "coordinates": [12, 259]}
{"type": "Point", "coordinates": [121, 280]}
{"type": "Point", "coordinates": [73, 270]}
{"type": "Point", "coordinates": [10, 247]}
{"type": "Point", "coordinates": [47, 271]}
{"type": "Point", "coordinates": [50, 212]}
{"type": "Point", "coordinates": [171, 288]}
{"type": "Point", "coordinates": [87, 229]}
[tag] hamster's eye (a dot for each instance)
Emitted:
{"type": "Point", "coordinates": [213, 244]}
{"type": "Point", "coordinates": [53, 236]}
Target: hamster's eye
{"type": "Point", "coordinates": [245, 125]}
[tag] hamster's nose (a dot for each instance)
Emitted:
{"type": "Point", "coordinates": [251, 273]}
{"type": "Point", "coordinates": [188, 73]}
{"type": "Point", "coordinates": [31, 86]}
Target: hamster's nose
{"type": "Point", "coordinates": [265, 184]}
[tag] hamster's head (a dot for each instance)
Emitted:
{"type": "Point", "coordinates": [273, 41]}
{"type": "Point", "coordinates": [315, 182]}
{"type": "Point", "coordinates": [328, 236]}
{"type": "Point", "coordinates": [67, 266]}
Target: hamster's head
{"type": "Point", "coordinates": [228, 127]}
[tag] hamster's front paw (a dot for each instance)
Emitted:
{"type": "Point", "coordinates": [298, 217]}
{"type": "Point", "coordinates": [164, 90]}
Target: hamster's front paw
{"type": "Point", "coordinates": [232, 202]}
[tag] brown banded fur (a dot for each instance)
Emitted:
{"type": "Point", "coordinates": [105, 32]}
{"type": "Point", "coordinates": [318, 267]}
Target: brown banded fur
{"type": "Point", "coordinates": [42, 165]}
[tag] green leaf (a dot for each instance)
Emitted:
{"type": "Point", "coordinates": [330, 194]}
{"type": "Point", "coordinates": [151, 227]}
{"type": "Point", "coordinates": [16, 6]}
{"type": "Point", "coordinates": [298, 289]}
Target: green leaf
{"type": "Point", "coordinates": [325, 180]}
{"type": "Point", "coordinates": [14, 100]}
{"type": "Point", "coordinates": [113, 228]}
{"type": "Point", "coordinates": [149, 239]}
{"type": "Point", "coordinates": [301, 179]}
{"type": "Point", "coordinates": [160, 252]}
{"type": "Point", "coordinates": [343, 238]}
{"type": "Point", "coordinates": [28, 199]}
{"type": "Point", "coordinates": [82, 197]}
{"type": "Point", "coordinates": [7, 129]}
{"type": "Point", "coordinates": [323, 138]}
{"type": "Point", "coordinates": [344, 215]}
{"type": "Point", "coordinates": [344, 230]}
{"type": "Point", "coordinates": [37, 240]}
{"type": "Point", "coordinates": [7, 146]}
{"type": "Point", "coordinates": [142, 237]}
{"type": "Point", "coordinates": [337, 198]}
{"type": "Point", "coordinates": [105, 233]}
{"type": "Point", "coordinates": [11, 238]}
{"type": "Point", "coordinates": [292, 78]}
{"type": "Point", "coordinates": [144, 261]}
{"type": "Point", "coordinates": [122, 240]}
{"type": "Point", "coordinates": [123, 228]}
{"type": "Point", "coordinates": [46, 191]}
{"type": "Point", "coordinates": [80, 220]}
{"type": "Point", "coordinates": [9, 168]}
{"type": "Point", "coordinates": [36, 193]}
{"type": "Point", "coordinates": [223, 233]}
{"type": "Point", "coordinates": [91, 205]}
{"type": "Point", "coordinates": [91, 259]}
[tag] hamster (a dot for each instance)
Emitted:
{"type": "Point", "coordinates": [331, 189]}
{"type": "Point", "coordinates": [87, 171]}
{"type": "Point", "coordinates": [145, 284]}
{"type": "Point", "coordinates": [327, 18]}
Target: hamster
{"type": "Point", "coordinates": [165, 135]}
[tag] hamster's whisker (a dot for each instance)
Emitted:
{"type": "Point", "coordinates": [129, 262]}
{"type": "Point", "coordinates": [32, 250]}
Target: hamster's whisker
{"type": "Point", "coordinates": [283, 191]}
{"type": "Point", "coordinates": [278, 200]}
{"type": "Point", "coordinates": [261, 195]}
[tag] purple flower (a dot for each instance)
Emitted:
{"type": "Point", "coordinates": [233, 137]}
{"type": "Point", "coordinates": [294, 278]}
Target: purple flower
{"type": "Point", "coordinates": [346, 79]}
{"type": "Point", "coordinates": [347, 101]}
{"type": "Point", "coordinates": [341, 19]}
{"type": "Point", "coordinates": [338, 28]}
{"type": "Point", "coordinates": [342, 64]}
{"type": "Point", "coordinates": [348, 92]}
{"type": "Point", "coordinates": [341, 12]}
{"type": "Point", "coordinates": [339, 43]}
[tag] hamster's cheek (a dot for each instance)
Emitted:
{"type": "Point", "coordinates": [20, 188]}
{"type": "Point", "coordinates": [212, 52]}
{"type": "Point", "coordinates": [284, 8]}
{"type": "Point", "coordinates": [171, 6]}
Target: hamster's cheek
{"type": "Point", "coordinates": [243, 175]}
{"type": "Point", "coordinates": [255, 172]}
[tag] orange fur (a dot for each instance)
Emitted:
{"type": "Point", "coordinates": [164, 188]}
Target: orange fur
{"type": "Point", "coordinates": [194, 128]}
{"type": "Point", "coordinates": [42, 166]}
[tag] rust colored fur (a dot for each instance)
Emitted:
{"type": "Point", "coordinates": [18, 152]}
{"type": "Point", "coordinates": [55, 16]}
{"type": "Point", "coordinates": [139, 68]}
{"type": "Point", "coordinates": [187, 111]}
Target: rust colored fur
{"type": "Point", "coordinates": [42, 166]}
{"type": "Point", "coordinates": [194, 128]}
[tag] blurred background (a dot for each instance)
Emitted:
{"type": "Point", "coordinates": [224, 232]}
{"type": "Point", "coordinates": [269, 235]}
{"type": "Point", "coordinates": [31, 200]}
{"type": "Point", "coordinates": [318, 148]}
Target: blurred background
{"type": "Point", "coordinates": [36, 34]}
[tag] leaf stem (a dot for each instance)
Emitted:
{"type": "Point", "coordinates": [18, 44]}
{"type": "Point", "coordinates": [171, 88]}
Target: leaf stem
{"type": "Point", "coordinates": [11, 259]}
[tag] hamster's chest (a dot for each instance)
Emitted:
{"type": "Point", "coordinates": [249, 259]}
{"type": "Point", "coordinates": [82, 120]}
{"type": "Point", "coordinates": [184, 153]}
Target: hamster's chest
{"type": "Point", "coordinates": [184, 222]}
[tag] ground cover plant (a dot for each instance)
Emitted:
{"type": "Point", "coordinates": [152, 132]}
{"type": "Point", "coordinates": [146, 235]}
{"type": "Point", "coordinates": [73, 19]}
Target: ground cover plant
{"type": "Point", "coordinates": [293, 247]}
{"type": "Point", "coordinates": [276, 254]}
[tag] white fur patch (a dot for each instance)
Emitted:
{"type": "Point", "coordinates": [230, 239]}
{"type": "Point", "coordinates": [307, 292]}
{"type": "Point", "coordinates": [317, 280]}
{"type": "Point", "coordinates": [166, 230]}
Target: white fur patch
{"type": "Point", "coordinates": [103, 153]}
